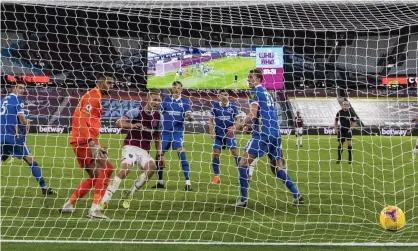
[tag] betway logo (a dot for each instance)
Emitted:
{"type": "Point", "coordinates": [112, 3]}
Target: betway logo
{"type": "Point", "coordinates": [286, 131]}
{"type": "Point", "coordinates": [393, 132]}
{"type": "Point", "coordinates": [110, 130]}
{"type": "Point", "coordinates": [329, 131]}
{"type": "Point", "coordinates": [50, 129]}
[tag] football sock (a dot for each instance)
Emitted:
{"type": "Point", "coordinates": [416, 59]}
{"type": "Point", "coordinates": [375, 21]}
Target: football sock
{"type": "Point", "coordinates": [300, 140]}
{"type": "Point", "coordinates": [139, 182]}
{"type": "Point", "coordinates": [36, 172]}
{"type": "Point", "coordinates": [244, 182]}
{"type": "Point", "coordinates": [184, 165]}
{"type": "Point", "coordinates": [282, 175]}
{"type": "Point", "coordinates": [82, 190]}
{"type": "Point", "coordinates": [350, 148]}
{"type": "Point", "coordinates": [160, 173]}
{"type": "Point", "coordinates": [215, 165]}
{"type": "Point", "coordinates": [414, 153]}
{"type": "Point", "coordinates": [101, 183]}
{"type": "Point", "coordinates": [237, 160]}
{"type": "Point", "coordinates": [114, 185]}
{"type": "Point", "coordinates": [340, 151]}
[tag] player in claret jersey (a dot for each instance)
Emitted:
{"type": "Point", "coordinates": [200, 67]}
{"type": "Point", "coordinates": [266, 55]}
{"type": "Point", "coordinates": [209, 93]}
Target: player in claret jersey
{"type": "Point", "coordinates": [347, 119]}
{"type": "Point", "coordinates": [266, 139]}
{"type": "Point", "coordinates": [143, 125]}
{"type": "Point", "coordinates": [223, 115]}
{"type": "Point", "coordinates": [298, 128]}
{"type": "Point", "coordinates": [13, 131]}
{"type": "Point", "coordinates": [91, 156]}
{"type": "Point", "coordinates": [175, 110]}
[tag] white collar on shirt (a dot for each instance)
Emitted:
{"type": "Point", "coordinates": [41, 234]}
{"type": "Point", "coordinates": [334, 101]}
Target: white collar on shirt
{"type": "Point", "coordinates": [227, 104]}
{"type": "Point", "coordinates": [177, 99]}
{"type": "Point", "coordinates": [13, 94]}
{"type": "Point", "coordinates": [257, 86]}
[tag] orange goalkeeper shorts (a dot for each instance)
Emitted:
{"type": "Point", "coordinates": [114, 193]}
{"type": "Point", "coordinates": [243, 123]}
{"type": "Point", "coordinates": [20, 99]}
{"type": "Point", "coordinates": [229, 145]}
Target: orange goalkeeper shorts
{"type": "Point", "coordinates": [83, 154]}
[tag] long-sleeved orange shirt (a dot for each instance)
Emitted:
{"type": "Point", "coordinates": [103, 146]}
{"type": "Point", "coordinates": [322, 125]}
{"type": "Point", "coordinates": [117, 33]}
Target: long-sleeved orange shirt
{"type": "Point", "coordinates": [86, 118]}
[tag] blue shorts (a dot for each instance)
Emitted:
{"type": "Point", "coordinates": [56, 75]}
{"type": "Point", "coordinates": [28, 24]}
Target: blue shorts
{"type": "Point", "coordinates": [222, 142]}
{"type": "Point", "coordinates": [175, 140]}
{"type": "Point", "coordinates": [18, 151]}
{"type": "Point", "coordinates": [268, 145]}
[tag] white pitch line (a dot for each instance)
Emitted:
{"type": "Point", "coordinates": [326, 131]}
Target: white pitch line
{"type": "Point", "coordinates": [352, 244]}
{"type": "Point", "coordinates": [258, 222]}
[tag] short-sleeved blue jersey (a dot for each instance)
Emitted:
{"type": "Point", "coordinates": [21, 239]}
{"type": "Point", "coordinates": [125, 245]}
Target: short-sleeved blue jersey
{"type": "Point", "coordinates": [266, 122]}
{"type": "Point", "coordinates": [11, 106]}
{"type": "Point", "coordinates": [224, 117]}
{"type": "Point", "coordinates": [174, 112]}
{"type": "Point", "coordinates": [22, 130]}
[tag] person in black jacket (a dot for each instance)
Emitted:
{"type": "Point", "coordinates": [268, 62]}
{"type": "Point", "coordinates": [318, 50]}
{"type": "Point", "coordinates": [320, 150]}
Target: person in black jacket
{"type": "Point", "coordinates": [347, 119]}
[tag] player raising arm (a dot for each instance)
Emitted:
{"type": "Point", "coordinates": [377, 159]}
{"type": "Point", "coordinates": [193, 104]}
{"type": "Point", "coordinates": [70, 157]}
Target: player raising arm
{"type": "Point", "coordinates": [265, 138]}
{"type": "Point", "coordinates": [224, 115]}
{"type": "Point", "coordinates": [14, 128]}
{"type": "Point", "coordinates": [298, 128]}
{"type": "Point", "coordinates": [347, 119]}
{"type": "Point", "coordinates": [91, 156]}
{"type": "Point", "coordinates": [175, 110]}
{"type": "Point", "coordinates": [143, 125]}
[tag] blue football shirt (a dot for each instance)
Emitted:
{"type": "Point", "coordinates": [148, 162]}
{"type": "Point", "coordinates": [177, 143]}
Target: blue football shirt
{"type": "Point", "coordinates": [266, 122]}
{"type": "Point", "coordinates": [11, 106]}
{"type": "Point", "coordinates": [174, 112]}
{"type": "Point", "coordinates": [224, 117]}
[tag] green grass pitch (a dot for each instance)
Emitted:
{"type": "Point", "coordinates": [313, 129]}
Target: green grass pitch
{"type": "Point", "coordinates": [343, 201]}
{"type": "Point", "coordinates": [221, 78]}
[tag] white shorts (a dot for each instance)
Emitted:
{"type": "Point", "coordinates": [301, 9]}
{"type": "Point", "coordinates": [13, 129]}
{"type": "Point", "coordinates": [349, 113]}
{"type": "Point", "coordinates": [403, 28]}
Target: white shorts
{"type": "Point", "coordinates": [134, 154]}
{"type": "Point", "coordinates": [299, 130]}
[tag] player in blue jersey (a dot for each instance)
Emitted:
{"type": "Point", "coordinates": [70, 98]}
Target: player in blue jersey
{"type": "Point", "coordinates": [14, 128]}
{"type": "Point", "coordinates": [223, 115]}
{"type": "Point", "coordinates": [266, 138]}
{"type": "Point", "coordinates": [175, 110]}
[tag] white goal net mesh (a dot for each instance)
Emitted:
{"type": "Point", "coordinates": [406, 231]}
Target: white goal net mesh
{"type": "Point", "coordinates": [313, 56]}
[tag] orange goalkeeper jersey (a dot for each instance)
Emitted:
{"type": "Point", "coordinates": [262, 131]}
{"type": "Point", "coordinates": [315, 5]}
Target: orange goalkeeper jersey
{"type": "Point", "coordinates": [86, 118]}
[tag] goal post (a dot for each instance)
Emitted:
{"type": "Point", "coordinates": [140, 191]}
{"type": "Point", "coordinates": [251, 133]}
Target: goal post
{"type": "Point", "coordinates": [314, 55]}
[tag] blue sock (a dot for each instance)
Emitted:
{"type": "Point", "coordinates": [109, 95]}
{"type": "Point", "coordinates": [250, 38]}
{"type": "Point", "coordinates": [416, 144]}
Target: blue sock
{"type": "Point", "coordinates": [36, 172]}
{"type": "Point", "coordinates": [215, 163]}
{"type": "Point", "coordinates": [237, 160]}
{"type": "Point", "coordinates": [288, 182]}
{"type": "Point", "coordinates": [244, 182]}
{"type": "Point", "coordinates": [160, 171]}
{"type": "Point", "coordinates": [184, 165]}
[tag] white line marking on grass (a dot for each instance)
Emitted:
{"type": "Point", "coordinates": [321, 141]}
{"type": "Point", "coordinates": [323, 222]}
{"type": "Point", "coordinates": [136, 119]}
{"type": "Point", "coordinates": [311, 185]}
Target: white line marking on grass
{"type": "Point", "coordinates": [352, 244]}
{"type": "Point", "coordinates": [258, 222]}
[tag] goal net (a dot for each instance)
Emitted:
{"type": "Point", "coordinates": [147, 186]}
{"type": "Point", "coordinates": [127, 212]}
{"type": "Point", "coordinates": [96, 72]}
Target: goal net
{"type": "Point", "coordinates": [313, 55]}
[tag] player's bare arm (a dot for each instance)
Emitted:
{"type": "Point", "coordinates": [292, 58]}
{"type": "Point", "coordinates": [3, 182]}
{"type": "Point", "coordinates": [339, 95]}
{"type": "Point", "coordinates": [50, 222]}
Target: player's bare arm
{"type": "Point", "coordinates": [125, 123]}
{"type": "Point", "coordinates": [247, 120]}
{"type": "Point", "coordinates": [22, 118]}
{"type": "Point", "coordinates": [211, 128]}
{"type": "Point", "coordinates": [158, 148]}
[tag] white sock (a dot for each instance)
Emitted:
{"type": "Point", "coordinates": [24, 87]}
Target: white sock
{"type": "Point", "coordinates": [160, 182]}
{"type": "Point", "coordinates": [253, 164]}
{"type": "Point", "coordinates": [115, 184]}
{"type": "Point", "coordinates": [94, 207]}
{"type": "Point", "coordinates": [111, 189]}
{"type": "Point", "coordinates": [68, 205]}
{"type": "Point", "coordinates": [297, 140]}
{"type": "Point", "coordinates": [414, 153]}
{"type": "Point", "coordinates": [188, 183]}
{"type": "Point", "coordinates": [300, 139]}
{"type": "Point", "coordinates": [139, 182]}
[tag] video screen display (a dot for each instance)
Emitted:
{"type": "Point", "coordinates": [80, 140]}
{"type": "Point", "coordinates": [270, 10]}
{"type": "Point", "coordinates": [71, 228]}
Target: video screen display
{"type": "Point", "coordinates": [213, 68]}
